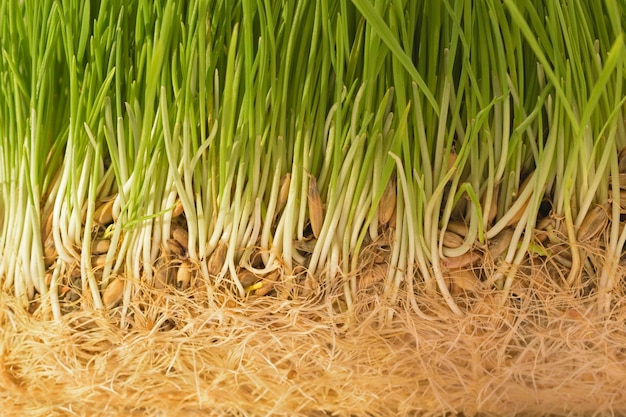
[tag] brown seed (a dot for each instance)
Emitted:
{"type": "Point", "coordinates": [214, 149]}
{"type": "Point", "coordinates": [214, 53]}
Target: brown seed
{"type": "Point", "coordinates": [316, 211]}
{"type": "Point", "coordinates": [74, 271]}
{"type": "Point", "coordinates": [181, 236]}
{"type": "Point", "coordinates": [267, 284]}
{"type": "Point", "coordinates": [394, 219]}
{"type": "Point", "coordinates": [459, 228]}
{"type": "Point", "coordinates": [47, 226]}
{"type": "Point", "coordinates": [50, 254]}
{"type": "Point", "coordinates": [452, 240]}
{"type": "Point", "coordinates": [266, 288]}
{"type": "Point", "coordinates": [98, 262]}
{"type": "Point", "coordinates": [101, 246]}
{"type": "Point", "coordinates": [306, 246]}
{"type": "Point", "coordinates": [48, 278]}
{"type": "Point", "coordinates": [387, 204]}
{"type": "Point", "coordinates": [247, 278]}
{"type": "Point", "coordinates": [595, 221]}
{"type": "Point", "coordinates": [175, 249]}
{"type": "Point", "coordinates": [217, 258]}
{"type": "Point", "coordinates": [543, 229]}
{"type": "Point", "coordinates": [178, 209]}
{"type": "Point", "coordinates": [183, 276]}
{"type": "Point", "coordinates": [283, 193]}
{"type": "Point", "coordinates": [113, 293]}
{"type": "Point", "coordinates": [104, 213]}
{"type": "Point", "coordinates": [500, 243]}
{"type": "Point", "coordinates": [466, 259]}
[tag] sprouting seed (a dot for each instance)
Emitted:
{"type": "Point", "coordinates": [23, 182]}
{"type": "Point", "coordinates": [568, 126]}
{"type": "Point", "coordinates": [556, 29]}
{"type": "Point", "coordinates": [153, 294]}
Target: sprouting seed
{"type": "Point", "coordinates": [181, 236]}
{"type": "Point", "coordinates": [501, 242]}
{"type": "Point", "coordinates": [316, 211]}
{"type": "Point", "coordinates": [461, 261]}
{"type": "Point", "coordinates": [101, 246]}
{"type": "Point", "coordinates": [387, 202]}
{"type": "Point", "coordinates": [104, 213]}
{"type": "Point", "coordinates": [459, 228]}
{"type": "Point", "coordinates": [183, 276]}
{"type": "Point", "coordinates": [49, 252]}
{"type": "Point", "coordinates": [217, 258]}
{"type": "Point", "coordinates": [452, 240]}
{"type": "Point", "coordinates": [593, 224]}
{"type": "Point", "coordinates": [283, 193]}
{"type": "Point", "coordinates": [113, 293]}
{"type": "Point", "coordinates": [178, 209]}
{"type": "Point", "coordinates": [175, 249]}
{"type": "Point", "coordinates": [247, 278]}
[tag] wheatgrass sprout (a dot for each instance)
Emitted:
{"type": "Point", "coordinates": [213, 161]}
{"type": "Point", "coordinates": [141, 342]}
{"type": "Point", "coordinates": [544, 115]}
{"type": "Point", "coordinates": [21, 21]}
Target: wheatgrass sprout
{"type": "Point", "coordinates": [182, 166]}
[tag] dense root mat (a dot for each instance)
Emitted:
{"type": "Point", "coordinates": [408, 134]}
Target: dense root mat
{"type": "Point", "coordinates": [547, 351]}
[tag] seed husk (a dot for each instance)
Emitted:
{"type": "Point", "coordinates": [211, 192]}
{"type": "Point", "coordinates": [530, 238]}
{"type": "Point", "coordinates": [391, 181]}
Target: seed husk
{"type": "Point", "coordinates": [217, 258]}
{"type": "Point", "coordinates": [104, 213]}
{"type": "Point", "coordinates": [452, 240]}
{"type": "Point", "coordinates": [178, 209]}
{"type": "Point", "coordinates": [594, 222]}
{"type": "Point", "coordinates": [50, 254]}
{"type": "Point", "coordinates": [394, 219]}
{"type": "Point", "coordinates": [316, 211]}
{"type": "Point", "coordinates": [463, 280]}
{"type": "Point", "coordinates": [113, 293]}
{"type": "Point", "coordinates": [464, 260]}
{"type": "Point", "coordinates": [267, 285]}
{"type": "Point", "coordinates": [500, 243]}
{"type": "Point", "coordinates": [306, 246]}
{"type": "Point", "coordinates": [183, 276]}
{"type": "Point", "coordinates": [266, 288]}
{"type": "Point", "coordinates": [181, 236]}
{"type": "Point", "coordinates": [175, 249]}
{"type": "Point", "coordinates": [459, 228]}
{"type": "Point", "coordinates": [387, 202]}
{"type": "Point", "coordinates": [99, 261]}
{"type": "Point", "coordinates": [247, 278]}
{"type": "Point", "coordinates": [544, 228]}
{"type": "Point", "coordinates": [283, 193]}
{"type": "Point", "coordinates": [47, 227]}
{"type": "Point", "coordinates": [101, 246]}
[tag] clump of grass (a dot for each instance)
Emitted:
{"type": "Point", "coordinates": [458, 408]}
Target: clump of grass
{"type": "Point", "coordinates": [345, 190]}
